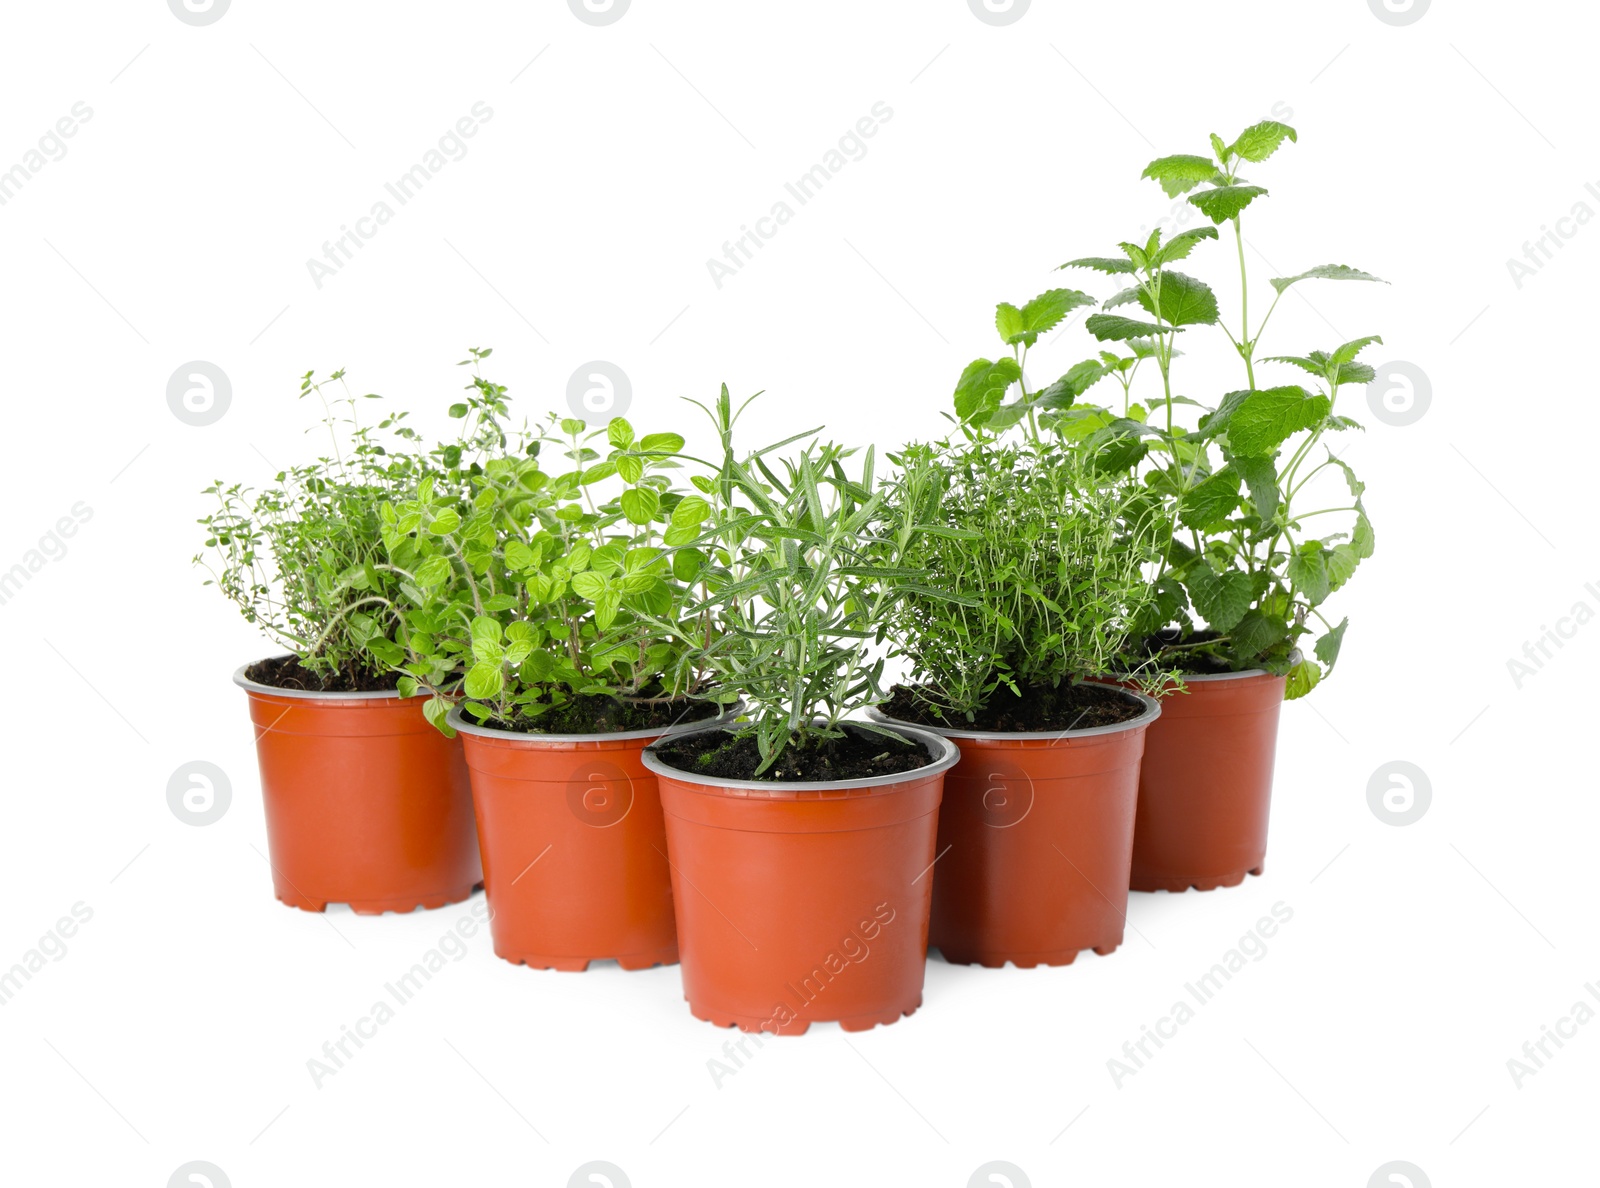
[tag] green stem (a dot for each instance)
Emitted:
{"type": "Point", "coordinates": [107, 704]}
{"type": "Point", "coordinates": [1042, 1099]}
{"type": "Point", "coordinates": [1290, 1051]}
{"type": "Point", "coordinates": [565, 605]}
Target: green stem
{"type": "Point", "coordinates": [1246, 345]}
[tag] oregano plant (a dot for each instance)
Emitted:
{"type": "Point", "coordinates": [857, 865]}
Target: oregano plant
{"type": "Point", "coordinates": [534, 598]}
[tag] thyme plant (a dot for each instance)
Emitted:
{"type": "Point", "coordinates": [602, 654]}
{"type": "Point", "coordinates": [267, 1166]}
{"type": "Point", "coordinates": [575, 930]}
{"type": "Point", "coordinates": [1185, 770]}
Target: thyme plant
{"type": "Point", "coordinates": [303, 558]}
{"type": "Point", "coordinates": [1034, 531]}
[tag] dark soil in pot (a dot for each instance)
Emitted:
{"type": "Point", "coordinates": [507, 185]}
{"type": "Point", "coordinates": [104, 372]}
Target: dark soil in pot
{"type": "Point", "coordinates": [1066, 707]}
{"type": "Point", "coordinates": [595, 713]}
{"type": "Point", "coordinates": [1172, 647]}
{"type": "Point", "coordinates": [727, 755]}
{"type": "Point", "coordinates": [286, 672]}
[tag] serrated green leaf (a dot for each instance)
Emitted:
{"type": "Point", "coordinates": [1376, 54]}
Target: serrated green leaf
{"type": "Point", "coordinates": [1184, 301]}
{"type": "Point", "coordinates": [1008, 322]}
{"type": "Point", "coordinates": [619, 433]}
{"type": "Point", "coordinates": [1181, 244]}
{"type": "Point", "coordinates": [1345, 352]}
{"type": "Point", "coordinates": [1325, 272]}
{"type": "Point", "coordinates": [1106, 264]}
{"type": "Point", "coordinates": [1328, 646]}
{"type": "Point", "coordinates": [1115, 328]}
{"type": "Point", "coordinates": [1308, 570]}
{"type": "Point", "coordinates": [1261, 476]}
{"type": "Point", "coordinates": [1224, 202]}
{"type": "Point", "coordinates": [1211, 500]}
{"type": "Point", "coordinates": [1180, 173]}
{"type": "Point", "coordinates": [445, 523]}
{"type": "Point", "coordinates": [1303, 678]}
{"type": "Point", "coordinates": [589, 585]}
{"type": "Point", "coordinates": [1044, 313]}
{"type": "Point", "coordinates": [983, 385]}
{"type": "Point", "coordinates": [1222, 598]}
{"type": "Point", "coordinates": [1316, 366]}
{"type": "Point", "coordinates": [1256, 633]}
{"type": "Point", "coordinates": [1264, 420]}
{"type": "Point", "coordinates": [1342, 563]}
{"type": "Point", "coordinates": [598, 472]}
{"type": "Point", "coordinates": [1362, 538]}
{"type": "Point", "coordinates": [1259, 141]}
{"type": "Point", "coordinates": [1023, 326]}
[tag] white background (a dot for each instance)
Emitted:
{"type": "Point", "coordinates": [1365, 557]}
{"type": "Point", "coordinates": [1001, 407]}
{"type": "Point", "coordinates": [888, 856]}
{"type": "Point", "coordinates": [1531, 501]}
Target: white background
{"type": "Point", "coordinates": [177, 227]}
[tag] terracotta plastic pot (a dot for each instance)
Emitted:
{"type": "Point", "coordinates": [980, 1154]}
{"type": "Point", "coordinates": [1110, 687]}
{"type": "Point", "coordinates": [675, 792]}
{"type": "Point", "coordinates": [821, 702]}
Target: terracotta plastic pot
{"type": "Point", "coordinates": [574, 851]}
{"type": "Point", "coordinates": [367, 804]}
{"type": "Point", "coordinates": [1035, 838]}
{"type": "Point", "coordinates": [1207, 784]}
{"type": "Point", "coordinates": [804, 902]}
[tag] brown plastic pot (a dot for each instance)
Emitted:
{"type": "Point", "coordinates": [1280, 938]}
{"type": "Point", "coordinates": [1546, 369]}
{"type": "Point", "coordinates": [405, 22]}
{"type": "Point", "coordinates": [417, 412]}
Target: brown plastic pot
{"type": "Point", "coordinates": [574, 851]}
{"type": "Point", "coordinates": [366, 803]}
{"type": "Point", "coordinates": [1035, 837]}
{"type": "Point", "coordinates": [803, 902]}
{"type": "Point", "coordinates": [1206, 785]}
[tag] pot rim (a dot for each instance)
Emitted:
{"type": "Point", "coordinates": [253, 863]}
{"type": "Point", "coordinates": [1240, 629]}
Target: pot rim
{"type": "Point", "coordinates": [458, 721]}
{"type": "Point", "coordinates": [1186, 678]}
{"type": "Point", "coordinates": [250, 686]}
{"type": "Point", "coordinates": [944, 752]}
{"type": "Point", "coordinates": [1191, 678]}
{"type": "Point", "coordinates": [1152, 711]}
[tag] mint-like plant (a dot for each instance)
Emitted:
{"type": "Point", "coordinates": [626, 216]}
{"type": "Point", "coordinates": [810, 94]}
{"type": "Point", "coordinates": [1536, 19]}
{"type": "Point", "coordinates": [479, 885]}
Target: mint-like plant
{"type": "Point", "coordinates": [534, 595]}
{"type": "Point", "coordinates": [1244, 555]}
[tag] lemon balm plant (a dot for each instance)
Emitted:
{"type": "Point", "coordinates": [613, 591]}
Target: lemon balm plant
{"type": "Point", "coordinates": [1247, 567]}
{"type": "Point", "coordinates": [1263, 519]}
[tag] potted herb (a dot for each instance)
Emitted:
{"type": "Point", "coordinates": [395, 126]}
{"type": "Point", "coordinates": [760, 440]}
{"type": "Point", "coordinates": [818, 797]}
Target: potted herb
{"type": "Point", "coordinates": [543, 592]}
{"type": "Point", "coordinates": [1248, 560]}
{"type": "Point", "coordinates": [366, 804]}
{"type": "Point", "coordinates": [1029, 523]}
{"type": "Point", "coordinates": [801, 840]}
